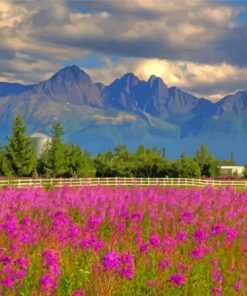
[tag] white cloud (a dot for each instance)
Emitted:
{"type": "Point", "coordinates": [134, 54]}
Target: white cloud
{"type": "Point", "coordinates": [177, 41]}
{"type": "Point", "coordinates": [212, 81]}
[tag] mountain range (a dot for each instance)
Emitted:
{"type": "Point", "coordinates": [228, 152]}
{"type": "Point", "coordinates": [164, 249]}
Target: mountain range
{"type": "Point", "coordinates": [130, 111]}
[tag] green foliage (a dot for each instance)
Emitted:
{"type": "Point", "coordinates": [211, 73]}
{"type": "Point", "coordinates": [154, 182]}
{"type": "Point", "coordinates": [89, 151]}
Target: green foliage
{"type": "Point", "coordinates": [68, 160]}
{"type": "Point", "coordinates": [53, 160]}
{"type": "Point", "coordinates": [20, 156]}
{"type": "Point", "coordinates": [145, 162]}
{"type": "Point", "coordinates": [186, 167]}
{"type": "Point", "coordinates": [208, 163]}
{"type": "Point", "coordinates": [5, 169]}
{"type": "Point", "coordinates": [64, 160]}
{"type": "Point", "coordinates": [245, 171]}
{"type": "Point", "coordinates": [79, 163]}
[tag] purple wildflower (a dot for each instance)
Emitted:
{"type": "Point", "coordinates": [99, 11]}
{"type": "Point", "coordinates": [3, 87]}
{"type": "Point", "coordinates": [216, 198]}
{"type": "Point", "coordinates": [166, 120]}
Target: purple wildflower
{"type": "Point", "coordinates": [186, 217]}
{"type": "Point", "coordinates": [111, 261]}
{"type": "Point", "coordinates": [197, 253]}
{"type": "Point", "coordinates": [238, 285]}
{"type": "Point", "coordinates": [48, 283]}
{"type": "Point", "coordinates": [200, 235]}
{"type": "Point", "coordinates": [154, 240]}
{"type": "Point", "coordinates": [216, 291]}
{"type": "Point", "coordinates": [217, 229]}
{"type": "Point", "coordinates": [182, 236]}
{"type": "Point", "coordinates": [163, 264]}
{"type": "Point", "coordinates": [177, 279]}
{"type": "Point", "coordinates": [127, 266]}
{"type": "Point", "coordinates": [144, 248]}
{"type": "Point", "coordinates": [231, 235]}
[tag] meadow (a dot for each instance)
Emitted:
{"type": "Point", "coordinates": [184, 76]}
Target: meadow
{"type": "Point", "coordinates": [123, 241]}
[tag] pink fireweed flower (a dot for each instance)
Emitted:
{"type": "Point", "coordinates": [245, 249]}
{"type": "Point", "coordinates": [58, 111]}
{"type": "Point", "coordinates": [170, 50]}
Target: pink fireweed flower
{"type": "Point", "coordinates": [54, 269]}
{"type": "Point", "coordinates": [5, 259]}
{"type": "Point", "coordinates": [25, 221]}
{"type": "Point", "coordinates": [94, 222]}
{"type": "Point", "coordinates": [111, 261]}
{"type": "Point", "coordinates": [217, 276]}
{"type": "Point", "coordinates": [22, 263]}
{"type": "Point", "coordinates": [138, 240]}
{"type": "Point", "coordinates": [121, 227]}
{"type": "Point", "coordinates": [50, 257]}
{"type": "Point", "coordinates": [216, 291]}
{"type": "Point", "coordinates": [20, 274]}
{"type": "Point", "coordinates": [154, 241]}
{"type": "Point", "coordinates": [151, 283]}
{"type": "Point", "coordinates": [181, 266]}
{"type": "Point", "coordinates": [177, 279]}
{"type": "Point", "coordinates": [96, 244]}
{"type": "Point", "coordinates": [197, 253]}
{"type": "Point", "coordinates": [217, 229]}
{"type": "Point", "coordinates": [214, 261]}
{"type": "Point", "coordinates": [182, 236]}
{"type": "Point", "coordinates": [163, 264]}
{"type": "Point", "coordinates": [84, 244]}
{"type": "Point", "coordinates": [231, 235]}
{"type": "Point", "coordinates": [186, 217]}
{"type": "Point", "coordinates": [48, 283]}
{"type": "Point", "coordinates": [244, 246]}
{"type": "Point", "coordinates": [73, 232]}
{"type": "Point", "coordinates": [8, 282]}
{"type": "Point", "coordinates": [127, 266]}
{"type": "Point", "coordinates": [144, 248]}
{"type": "Point", "coordinates": [137, 216]}
{"type": "Point", "coordinates": [238, 285]}
{"type": "Point", "coordinates": [79, 292]}
{"type": "Point", "coordinates": [169, 244]}
{"type": "Point", "coordinates": [200, 235]}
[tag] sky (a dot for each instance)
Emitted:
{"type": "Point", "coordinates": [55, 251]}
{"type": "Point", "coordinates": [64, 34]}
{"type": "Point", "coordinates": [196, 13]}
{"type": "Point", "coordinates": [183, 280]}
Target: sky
{"type": "Point", "coordinates": [197, 45]}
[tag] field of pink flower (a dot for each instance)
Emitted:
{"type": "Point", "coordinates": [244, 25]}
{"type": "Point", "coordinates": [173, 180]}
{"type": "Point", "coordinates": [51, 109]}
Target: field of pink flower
{"type": "Point", "coordinates": [123, 241]}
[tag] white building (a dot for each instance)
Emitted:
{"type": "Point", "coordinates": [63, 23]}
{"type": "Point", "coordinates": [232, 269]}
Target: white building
{"type": "Point", "coordinates": [39, 141]}
{"type": "Point", "coordinates": [232, 170]}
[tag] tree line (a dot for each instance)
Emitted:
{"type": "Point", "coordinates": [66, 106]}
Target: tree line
{"type": "Point", "coordinates": [59, 159]}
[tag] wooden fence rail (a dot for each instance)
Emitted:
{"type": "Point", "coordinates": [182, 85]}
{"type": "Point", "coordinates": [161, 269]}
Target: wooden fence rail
{"type": "Point", "coordinates": [77, 182]}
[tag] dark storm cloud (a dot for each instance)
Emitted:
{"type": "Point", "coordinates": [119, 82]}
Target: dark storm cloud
{"type": "Point", "coordinates": [233, 46]}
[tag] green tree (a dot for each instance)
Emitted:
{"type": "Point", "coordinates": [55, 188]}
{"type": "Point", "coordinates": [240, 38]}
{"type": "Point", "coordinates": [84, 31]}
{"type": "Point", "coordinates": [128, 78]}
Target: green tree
{"type": "Point", "coordinates": [19, 150]}
{"type": "Point", "coordinates": [208, 163]}
{"type": "Point", "coordinates": [79, 163]}
{"type": "Point", "coordinates": [185, 167]}
{"type": "Point", "coordinates": [103, 166]}
{"type": "Point", "coordinates": [52, 162]}
{"type": "Point", "coordinates": [148, 162]}
{"type": "Point", "coordinates": [5, 169]}
{"type": "Point", "coordinates": [245, 171]}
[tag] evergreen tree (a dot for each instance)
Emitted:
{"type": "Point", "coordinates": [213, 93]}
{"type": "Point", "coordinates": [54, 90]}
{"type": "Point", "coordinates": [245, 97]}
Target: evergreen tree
{"type": "Point", "coordinates": [20, 155]}
{"type": "Point", "coordinates": [5, 169]}
{"type": "Point", "coordinates": [53, 162]}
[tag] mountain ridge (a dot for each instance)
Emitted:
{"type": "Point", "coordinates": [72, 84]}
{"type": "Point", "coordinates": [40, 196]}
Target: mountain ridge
{"type": "Point", "coordinates": [128, 110]}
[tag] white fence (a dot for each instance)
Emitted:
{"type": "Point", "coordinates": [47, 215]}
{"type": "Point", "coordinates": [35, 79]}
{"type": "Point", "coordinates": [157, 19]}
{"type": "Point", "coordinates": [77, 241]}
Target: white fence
{"type": "Point", "coordinates": [76, 182]}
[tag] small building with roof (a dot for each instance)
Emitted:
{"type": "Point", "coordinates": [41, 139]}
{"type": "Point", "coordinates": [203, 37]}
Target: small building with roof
{"type": "Point", "coordinates": [39, 141]}
{"type": "Point", "coordinates": [232, 170]}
